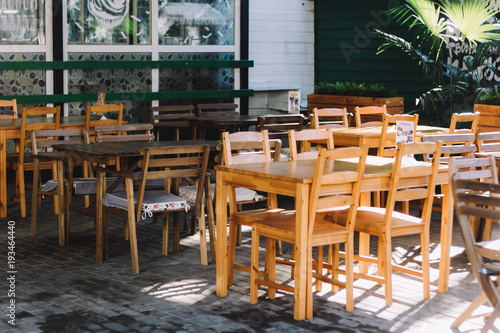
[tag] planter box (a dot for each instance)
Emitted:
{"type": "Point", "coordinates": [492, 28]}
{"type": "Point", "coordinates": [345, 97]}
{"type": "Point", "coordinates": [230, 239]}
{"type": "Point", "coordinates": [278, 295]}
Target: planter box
{"type": "Point", "coordinates": [394, 105]}
{"type": "Point", "coordinates": [489, 117]}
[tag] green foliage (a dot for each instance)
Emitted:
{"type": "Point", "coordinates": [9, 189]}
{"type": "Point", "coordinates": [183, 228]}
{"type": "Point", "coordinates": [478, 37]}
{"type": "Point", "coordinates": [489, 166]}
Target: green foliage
{"type": "Point", "coordinates": [354, 89]}
{"type": "Point", "coordinates": [454, 44]}
{"type": "Point", "coordinates": [490, 97]}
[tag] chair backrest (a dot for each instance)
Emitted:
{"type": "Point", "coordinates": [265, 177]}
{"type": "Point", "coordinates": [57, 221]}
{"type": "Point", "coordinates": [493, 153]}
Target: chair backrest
{"type": "Point", "coordinates": [171, 116]}
{"type": "Point", "coordinates": [12, 105]}
{"type": "Point", "coordinates": [301, 142]}
{"type": "Point", "coordinates": [112, 112]}
{"type": "Point", "coordinates": [454, 144]}
{"type": "Point", "coordinates": [479, 168]}
{"type": "Point", "coordinates": [386, 147]}
{"type": "Point", "coordinates": [247, 147]}
{"type": "Point", "coordinates": [488, 141]}
{"type": "Point", "coordinates": [43, 139]}
{"type": "Point", "coordinates": [124, 133]}
{"type": "Point", "coordinates": [478, 200]}
{"type": "Point", "coordinates": [466, 117]}
{"type": "Point", "coordinates": [279, 125]}
{"type": "Point", "coordinates": [329, 118]}
{"type": "Point", "coordinates": [402, 171]}
{"type": "Point", "coordinates": [217, 109]}
{"type": "Point", "coordinates": [369, 115]}
{"type": "Point", "coordinates": [173, 163]}
{"type": "Point", "coordinates": [326, 177]}
{"type": "Point", "coordinates": [44, 118]}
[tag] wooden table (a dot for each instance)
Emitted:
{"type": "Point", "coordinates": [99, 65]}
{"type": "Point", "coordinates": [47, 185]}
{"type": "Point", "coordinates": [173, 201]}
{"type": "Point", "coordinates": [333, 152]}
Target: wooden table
{"type": "Point", "coordinates": [370, 136]}
{"type": "Point", "coordinates": [294, 179]}
{"type": "Point", "coordinates": [103, 153]}
{"type": "Point", "coordinates": [240, 122]}
{"type": "Point", "coordinates": [11, 129]}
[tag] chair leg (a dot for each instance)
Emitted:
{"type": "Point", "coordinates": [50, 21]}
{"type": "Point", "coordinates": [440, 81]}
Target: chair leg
{"type": "Point", "coordinates": [203, 235]}
{"type": "Point", "coordinates": [271, 265]}
{"type": "Point", "coordinates": [425, 263]}
{"type": "Point", "coordinates": [319, 266]}
{"type": "Point", "coordinates": [231, 251]}
{"type": "Point", "coordinates": [22, 192]}
{"type": "Point", "coordinates": [387, 267]}
{"type": "Point", "coordinates": [131, 225]}
{"type": "Point", "coordinates": [34, 201]}
{"type": "Point", "coordinates": [491, 319]}
{"type": "Point", "coordinates": [349, 273]}
{"type": "Point", "coordinates": [254, 267]}
{"type": "Point", "coordinates": [211, 220]}
{"type": "Point", "coordinates": [166, 226]}
{"type": "Point", "coordinates": [480, 299]}
{"type": "Point", "coordinates": [60, 202]}
{"type": "Point", "coordinates": [177, 237]}
{"type": "Point", "coordinates": [333, 258]}
{"type": "Point", "coordinates": [55, 199]}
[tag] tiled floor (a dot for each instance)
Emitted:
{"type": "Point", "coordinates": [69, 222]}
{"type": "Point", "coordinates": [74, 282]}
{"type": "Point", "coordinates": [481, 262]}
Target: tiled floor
{"type": "Point", "coordinates": [63, 289]}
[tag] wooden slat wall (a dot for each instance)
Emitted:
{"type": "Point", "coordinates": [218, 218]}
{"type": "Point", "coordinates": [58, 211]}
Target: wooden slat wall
{"type": "Point", "coordinates": [345, 52]}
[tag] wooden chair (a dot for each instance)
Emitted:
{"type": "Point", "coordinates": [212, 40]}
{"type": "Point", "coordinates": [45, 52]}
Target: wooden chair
{"type": "Point", "coordinates": [42, 141]}
{"type": "Point", "coordinates": [329, 118]}
{"type": "Point", "coordinates": [301, 142]}
{"type": "Point", "coordinates": [245, 147]}
{"type": "Point", "coordinates": [454, 144]}
{"type": "Point", "coordinates": [279, 125]}
{"type": "Point", "coordinates": [479, 200]}
{"type": "Point", "coordinates": [215, 110]}
{"type": "Point", "coordinates": [124, 133]}
{"type": "Point", "coordinates": [112, 112]}
{"type": "Point", "coordinates": [488, 141]}
{"type": "Point", "coordinates": [386, 223]}
{"type": "Point", "coordinates": [466, 117]}
{"type": "Point", "coordinates": [19, 162]}
{"type": "Point", "coordinates": [171, 117]}
{"type": "Point", "coordinates": [369, 115]}
{"type": "Point", "coordinates": [12, 104]}
{"type": "Point", "coordinates": [387, 148]}
{"type": "Point", "coordinates": [161, 163]}
{"type": "Point", "coordinates": [279, 224]}
{"type": "Point", "coordinates": [479, 169]}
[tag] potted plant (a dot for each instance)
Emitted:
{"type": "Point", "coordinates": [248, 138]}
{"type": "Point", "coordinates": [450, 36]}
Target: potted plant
{"type": "Point", "coordinates": [455, 43]}
{"type": "Point", "coordinates": [351, 94]}
{"type": "Point", "coordinates": [488, 106]}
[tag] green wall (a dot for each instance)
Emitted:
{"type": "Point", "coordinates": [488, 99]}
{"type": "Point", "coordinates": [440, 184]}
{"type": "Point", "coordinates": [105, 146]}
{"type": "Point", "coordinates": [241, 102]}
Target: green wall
{"type": "Point", "coordinates": [346, 50]}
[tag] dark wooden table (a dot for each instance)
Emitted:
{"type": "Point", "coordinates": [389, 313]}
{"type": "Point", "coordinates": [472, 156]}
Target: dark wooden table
{"type": "Point", "coordinates": [103, 153]}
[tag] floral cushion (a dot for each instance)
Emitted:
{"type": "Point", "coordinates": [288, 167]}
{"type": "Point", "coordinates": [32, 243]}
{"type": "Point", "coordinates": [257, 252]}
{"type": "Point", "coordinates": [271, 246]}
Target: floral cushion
{"type": "Point", "coordinates": [242, 194]}
{"type": "Point", "coordinates": [156, 200]}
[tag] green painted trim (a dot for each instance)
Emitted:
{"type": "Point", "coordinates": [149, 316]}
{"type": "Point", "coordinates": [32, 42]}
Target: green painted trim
{"type": "Point", "coordinates": [131, 96]}
{"type": "Point", "coordinates": [51, 65]}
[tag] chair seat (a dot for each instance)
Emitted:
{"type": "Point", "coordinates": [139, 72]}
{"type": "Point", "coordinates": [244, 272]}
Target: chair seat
{"type": "Point", "coordinates": [153, 201]}
{"type": "Point", "coordinates": [242, 194]}
{"type": "Point", "coordinates": [370, 220]}
{"type": "Point", "coordinates": [82, 186]}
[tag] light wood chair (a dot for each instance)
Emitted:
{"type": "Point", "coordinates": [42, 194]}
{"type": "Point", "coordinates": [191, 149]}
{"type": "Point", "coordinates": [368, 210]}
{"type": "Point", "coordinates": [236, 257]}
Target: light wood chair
{"type": "Point", "coordinates": [124, 133]}
{"type": "Point", "coordinates": [161, 163]}
{"type": "Point", "coordinates": [279, 125]}
{"type": "Point", "coordinates": [215, 110]}
{"type": "Point", "coordinates": [19, 162]}
{"type": "Point", "coordinates": [369, 115]}
{"type": "Point", "coordinates": [112, 112]}
{"type": "Point", "coordinates": [42, 142]}
{"type": "Point", "coordinates": [386, 223]}
{"type": "Point", "coordinates": [387, 148]}
{"type": "Point", "coordinates": [454, 145]}
{"type": "Point", "coordinates": [279, 224]}
{"type": "Point", "coordinates": [245, 147]}
{"type": "Point", "coordinates": [475, 199]}
{"type": "Point", "coordinates": [301, 142]}
{"type": "Point", "coordinates": [329, 118]}
{"type": "Point", "coordinates": [488, 141]}
{"type": "Point", "coordinates": [12, 105]}
{"type": "Point", "coordinates": [171, 117]}
{"type": "Point", "coordinates": [467, 117]}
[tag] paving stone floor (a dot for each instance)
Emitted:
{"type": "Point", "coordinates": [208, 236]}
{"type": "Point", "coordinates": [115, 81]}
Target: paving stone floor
{"type": "Point", "coordinates": [63, 289]}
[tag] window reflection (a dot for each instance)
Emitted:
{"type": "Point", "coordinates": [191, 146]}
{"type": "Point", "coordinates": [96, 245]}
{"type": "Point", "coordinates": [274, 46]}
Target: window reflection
{"type": "Point", "coordinates": [21, 22]}
{"type": "Point", "coordinates": [204, 22]}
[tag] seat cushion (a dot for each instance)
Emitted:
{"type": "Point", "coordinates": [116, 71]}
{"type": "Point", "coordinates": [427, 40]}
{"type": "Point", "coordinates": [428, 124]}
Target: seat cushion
{"type": "Point", "coordinates": [82, 186]}
{"type": "Point", "coordinates": [242, 194]}
{"type": "Point", "coordinates": [154, 200]}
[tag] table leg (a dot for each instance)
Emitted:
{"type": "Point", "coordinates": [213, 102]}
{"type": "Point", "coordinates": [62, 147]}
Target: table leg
{"type": "Point", "coordinates": [3, 175]}
{"type": "Point", "coordinates": [303, 259]}
{"type": "Point", "coordinates": [446, 236]}
{"type": "Point", "coordinates": [221, 241]}
{"type": "Point", "coordinates": [100, 190]}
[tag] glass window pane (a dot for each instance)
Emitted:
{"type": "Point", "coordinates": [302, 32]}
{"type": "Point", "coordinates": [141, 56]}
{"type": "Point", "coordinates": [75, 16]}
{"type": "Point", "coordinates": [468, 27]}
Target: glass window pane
{"type": "Point", "coordinates": [109, 21]}
{"type": "Point", "coordinates": [203, 22]}
{"type": "Point", "coordinates": [22, 22]}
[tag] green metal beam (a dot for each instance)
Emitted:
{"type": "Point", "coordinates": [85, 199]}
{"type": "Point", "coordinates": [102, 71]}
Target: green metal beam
{"type": "Point", "coordinates": [51, 65]}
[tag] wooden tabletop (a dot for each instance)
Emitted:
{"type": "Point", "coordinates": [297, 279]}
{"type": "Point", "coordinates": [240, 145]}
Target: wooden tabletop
{"type": "Point", "coordinates": [9, 124]}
